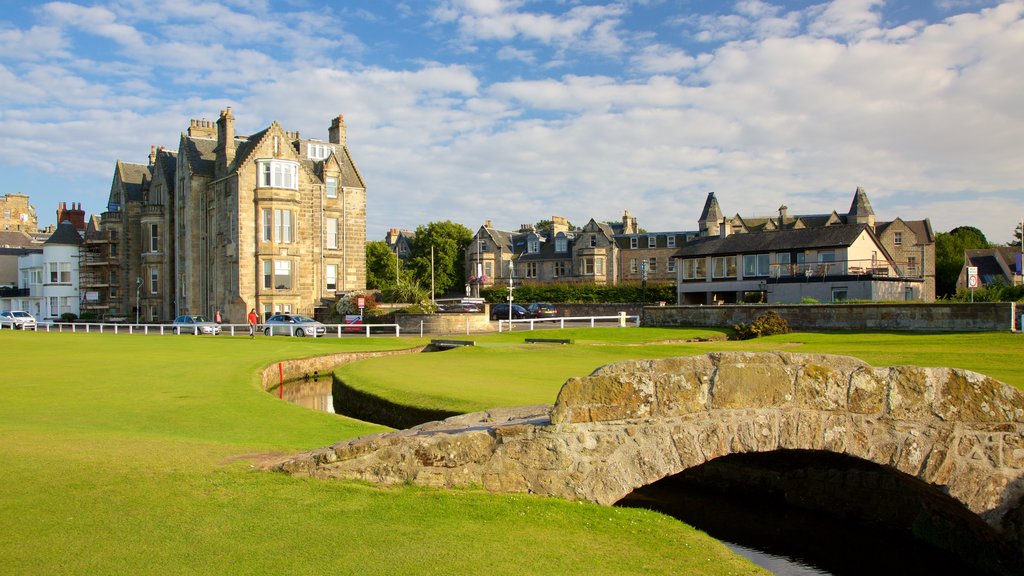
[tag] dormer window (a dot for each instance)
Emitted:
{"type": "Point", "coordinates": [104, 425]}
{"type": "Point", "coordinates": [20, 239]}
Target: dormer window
{"type": "Point", "coordinates": [561, 244]}
{"type": "Point", "coordinates": [278, 174]}
{"type": "Point", "coordinates": [634, 242]}
{"type": "Point", "coordinates": [652, 241]}
{"type": "Point", "coordinates": [318, 151]}
{"type": "Point", "coordinates": [670, 241]}
{"type": "Point", "coordinates": [533, 246]}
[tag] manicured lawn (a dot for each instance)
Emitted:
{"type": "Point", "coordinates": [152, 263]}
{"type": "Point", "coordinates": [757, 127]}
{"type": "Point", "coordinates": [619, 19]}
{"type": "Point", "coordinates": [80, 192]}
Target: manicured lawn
{"type": "Point", "coordinates": [131, 455]}
{"type": "Point", "coordinates": [503, 371]}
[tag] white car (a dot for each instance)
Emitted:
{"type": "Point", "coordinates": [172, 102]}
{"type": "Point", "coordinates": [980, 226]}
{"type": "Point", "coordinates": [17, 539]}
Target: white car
{"type": "Point", "coordinates": [195, 324]}
{"type": "Point", "coordinates": [17, 319]}
{"type": "Point", "coordinates": [293, 325]}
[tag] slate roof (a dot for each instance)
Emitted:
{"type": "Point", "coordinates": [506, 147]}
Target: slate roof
{"type": "Point", "coordinates": [711, 209]}
{"type": "Point", "coordinates": [132, 177]}
{"type": "Point", "coordinates": [200, 155]}
{"type": "Point", "coordinates": [921, 228]}
{"type": "Point", "coordinates": [15, 239]}
{"type": "Point", "coordinates": [776, 241]}
{"type": "Point", "coordinates": [994, 264]}
{"type": "Point", "coordinates": [661, 239]}
{"type": "Point", "coordinates": [66, 235]}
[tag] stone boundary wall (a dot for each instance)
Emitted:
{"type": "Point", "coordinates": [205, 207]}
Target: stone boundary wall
{"type": "Point", "coordinates": [446, 323]}
{"type": "Point", "coordinates": [587, 309]}
{"type": "Point", "coordinates": [325, 365]}
{"type": "Point", "coordinates": [932, 317]}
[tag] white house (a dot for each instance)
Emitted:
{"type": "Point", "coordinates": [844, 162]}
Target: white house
{"type": "Point", "coordinates": [48, 280]}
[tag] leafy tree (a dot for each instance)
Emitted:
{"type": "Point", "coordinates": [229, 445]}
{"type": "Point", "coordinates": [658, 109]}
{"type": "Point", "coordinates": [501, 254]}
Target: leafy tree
{"type": "Point", "coordinates": [381, 265]}
{"type": "Point", "coordinates": [949, 255]}
{"type": "Point", "coordinates": [449, 240]}
{"type": "Point", "coordinates": [1016, 237]}
{"type": "Point", "coordinates": [543, 227]}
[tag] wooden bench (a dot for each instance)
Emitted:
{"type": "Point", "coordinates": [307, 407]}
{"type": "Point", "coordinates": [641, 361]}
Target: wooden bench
{"type": "Point", "coordinates": [548, 341]}
{"type": "Point", "coordinates": [441, 343]}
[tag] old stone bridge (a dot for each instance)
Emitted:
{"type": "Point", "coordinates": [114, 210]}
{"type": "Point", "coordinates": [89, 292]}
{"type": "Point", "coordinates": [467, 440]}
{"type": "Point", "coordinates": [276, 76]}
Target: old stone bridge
{"type": "Point", "coordinates": [630, 424]}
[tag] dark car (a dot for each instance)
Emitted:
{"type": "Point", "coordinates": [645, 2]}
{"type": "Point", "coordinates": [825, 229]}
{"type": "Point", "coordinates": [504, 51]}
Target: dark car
{"type": "Point", "coordinates": [500, 312]}
{"type": "Point", "coordinates": [542, 310]}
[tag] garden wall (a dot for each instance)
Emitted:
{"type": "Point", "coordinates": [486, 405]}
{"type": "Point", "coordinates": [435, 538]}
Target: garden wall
{"type": "Point", "coordinates": [931, 317]}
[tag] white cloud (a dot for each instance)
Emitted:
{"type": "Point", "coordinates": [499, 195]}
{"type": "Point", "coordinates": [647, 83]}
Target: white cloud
{"type": "Point", "coordinates": [95, 20]}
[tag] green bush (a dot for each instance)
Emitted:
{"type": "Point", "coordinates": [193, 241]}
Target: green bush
{"type": "Point", "coordinates": [68, 317]}
{"type": "Point", "coordinates": [766, 324]}
{"type": "Point", "coordinates": [579, 292]}
{"type": "Point", "coordinates": [997, 292]}
{"type": "Point", "coordinates": [809, 300]}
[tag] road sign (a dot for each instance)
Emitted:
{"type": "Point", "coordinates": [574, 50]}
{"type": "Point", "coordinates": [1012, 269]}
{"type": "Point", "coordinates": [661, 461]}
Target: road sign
{"type": "Point", "coordinates": [972, 276]}
{"type": "Point", "coordinates": [361, 302]}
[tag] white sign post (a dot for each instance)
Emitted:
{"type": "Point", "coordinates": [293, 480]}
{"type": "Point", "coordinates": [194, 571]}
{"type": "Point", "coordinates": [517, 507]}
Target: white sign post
{"type": "Point", "coordinates": [972, 279]}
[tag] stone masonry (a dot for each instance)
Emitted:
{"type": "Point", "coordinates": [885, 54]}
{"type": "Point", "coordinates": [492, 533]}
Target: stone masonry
{"type": "Point", "coordinates": [632, 423]}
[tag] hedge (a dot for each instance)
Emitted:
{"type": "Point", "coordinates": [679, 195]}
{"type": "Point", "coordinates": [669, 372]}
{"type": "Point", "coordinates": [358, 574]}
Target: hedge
{"type": "Point", "coordinates": [572, 293]}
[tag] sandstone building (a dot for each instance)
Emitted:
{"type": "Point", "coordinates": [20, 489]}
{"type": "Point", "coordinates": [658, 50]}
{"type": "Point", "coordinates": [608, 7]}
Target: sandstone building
{"type": "Point", "coordinates": [17, 214]}
{"type": "Point", "coordinates": [227, 222]}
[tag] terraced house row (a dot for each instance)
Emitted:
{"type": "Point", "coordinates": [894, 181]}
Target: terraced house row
{"type": "Point", "coordinates": [227, 222]}
{"type": "Point", "coordinates": [779, 258]}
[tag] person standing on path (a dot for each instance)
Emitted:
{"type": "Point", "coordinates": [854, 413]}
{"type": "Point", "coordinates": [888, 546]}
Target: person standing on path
{"type": "Point", "coordinates": [254, 319]}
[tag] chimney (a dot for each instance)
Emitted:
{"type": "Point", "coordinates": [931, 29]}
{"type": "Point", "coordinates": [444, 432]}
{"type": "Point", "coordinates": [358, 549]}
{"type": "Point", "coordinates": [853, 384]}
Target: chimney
{"type": "Point", "coordinates": [559, 224]}
{"type": "Point", "coordinates": [75, 215]}
{"type": "Point", "coordinates": [628, 223]}
{"type": "Point", "coordinates": [226, 136]}
{"type": "Point", "coordinates": [726, 228]}
{"type": "Point", "coordinates": [152, 156]}
{"type": "Point", "coordinates": [487, 223]}
{"type": "Point", "coordinates": [783, 215]}
{"type": "Point", "coordinates": [336, 133]}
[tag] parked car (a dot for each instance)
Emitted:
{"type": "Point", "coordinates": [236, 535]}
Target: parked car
{"type": "Point", "coordinates": [542, 310]}
{"type": "Point", "coordinates": [195, 324]}
{"type": "Point", "coordinates": [17, 319]}
{"type": "Point", "coordinates": [293, 324]}
{"type": "Point", "coordinates": [500, 312]}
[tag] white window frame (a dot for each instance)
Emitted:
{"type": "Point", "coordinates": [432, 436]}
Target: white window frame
{"type": "Point", "coordinates": [154, 280]}
{"type": "Point", "coordinates": [652, 241]}
{"type": "Point", "coordinates": [331, 276]}
{"type": "Point", "coordinates": [331, 229]}
{"type": "Point", "coordinates": [634, 242]}
{"type": "Point", "coordinates": [282, 270]}
{"type": "Point", "coordinates": [268, 225]}
{"type": "Point", "coordinates": [561, 244]}
{"type": "Point", "coordinates": [670, 241]}
{"type": "Point", "coordinates": [331, 187]}
{"type": "Point", "coordinates": [278, 174]}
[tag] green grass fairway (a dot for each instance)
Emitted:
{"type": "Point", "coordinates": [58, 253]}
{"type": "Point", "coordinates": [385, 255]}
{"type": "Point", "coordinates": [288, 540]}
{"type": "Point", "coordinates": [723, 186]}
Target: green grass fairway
{"type": "Point", "coordinates": [501, 370]}
{"type": "Point", "coordinates": [131, 455]}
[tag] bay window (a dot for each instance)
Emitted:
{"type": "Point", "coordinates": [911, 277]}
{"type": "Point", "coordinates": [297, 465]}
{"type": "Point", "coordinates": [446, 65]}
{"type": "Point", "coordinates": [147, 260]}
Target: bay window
{"type": "Point", "coordinates": [278, 174]}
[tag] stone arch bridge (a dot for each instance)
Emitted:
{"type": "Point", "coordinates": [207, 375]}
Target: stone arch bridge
{"type": "Point", "coordinates": [630, 424]}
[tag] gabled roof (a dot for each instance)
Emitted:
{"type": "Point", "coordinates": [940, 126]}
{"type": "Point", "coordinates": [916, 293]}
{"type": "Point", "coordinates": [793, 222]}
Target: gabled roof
{"type": "Point", "coordinates": [922, 229]}
{"type": "Point", "coordinates": [199, 154]}
{"type": "Point", "coordinates": [777, 241]}
{"type": "Point", "coordinates": [547, 251]}
{"type": "Point", "coordinates": [65, 234]}
{"type": "Point", "coordinates": [994, 264]}
{"type": "Point", "coordinates": [15, 239]}
{"type": "Point", "coordinates": [132, 177]}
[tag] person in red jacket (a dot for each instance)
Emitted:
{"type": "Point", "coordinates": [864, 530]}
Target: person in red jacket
{"type": "Point", "coordinates": [254, 319]}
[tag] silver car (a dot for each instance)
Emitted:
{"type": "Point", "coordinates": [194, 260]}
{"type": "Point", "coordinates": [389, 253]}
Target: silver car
{"type": "Point", "coordinates": [17, 319]}
{"type": "Point", "coordinates": [293, 325]}
{"type": "Point", "coordinates": [195, 324]}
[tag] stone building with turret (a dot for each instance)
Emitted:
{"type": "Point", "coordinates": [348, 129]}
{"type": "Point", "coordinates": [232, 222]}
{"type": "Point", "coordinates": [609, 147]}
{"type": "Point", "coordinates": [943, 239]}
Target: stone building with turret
{"type": "Point", "coordinates": [228, 222]}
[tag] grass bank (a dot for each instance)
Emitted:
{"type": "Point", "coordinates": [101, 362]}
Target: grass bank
{"type": "Point", "coordinates": [130, 454]}
{"type": "Point", "coordinates": [502, 370]}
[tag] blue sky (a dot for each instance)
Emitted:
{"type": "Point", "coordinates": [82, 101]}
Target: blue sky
{"type": "Point", "coordinates": [516, 110]}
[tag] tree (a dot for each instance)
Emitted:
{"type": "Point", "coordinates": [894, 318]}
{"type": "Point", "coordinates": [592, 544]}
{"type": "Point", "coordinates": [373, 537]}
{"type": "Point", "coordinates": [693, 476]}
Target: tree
{"type": "Point", "coordinates": [1016, 237]}
{"type": "Point", "coordinates": [449, 240]}
{"type": "Point", "coordinates": [543, 227]}
{"type": "Point", "coordinates": [949, 255]}
{"type": "Point", "coordinates": [381, 265]}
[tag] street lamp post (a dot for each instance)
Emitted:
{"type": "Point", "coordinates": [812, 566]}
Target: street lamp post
{"type": "Point", "coordinates": [138, 297]}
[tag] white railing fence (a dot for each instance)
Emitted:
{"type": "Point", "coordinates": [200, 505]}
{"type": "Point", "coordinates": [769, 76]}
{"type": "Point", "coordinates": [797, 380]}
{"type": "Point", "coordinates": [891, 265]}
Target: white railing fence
{"type": "Point", "coordinates": [622, 320]}
{"type": "Point", "coordinates": [333, 330]}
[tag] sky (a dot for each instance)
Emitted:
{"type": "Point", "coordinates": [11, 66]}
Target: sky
{"type": "Point", "coordinates": [517, 110]}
